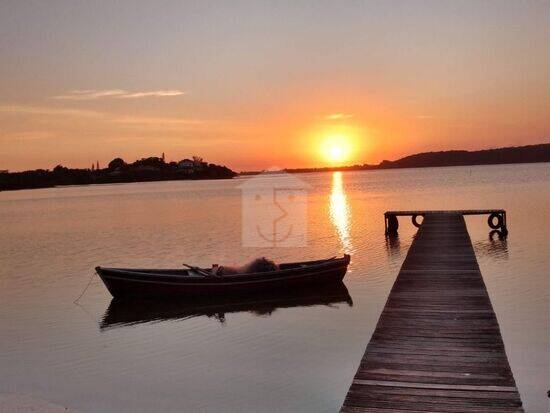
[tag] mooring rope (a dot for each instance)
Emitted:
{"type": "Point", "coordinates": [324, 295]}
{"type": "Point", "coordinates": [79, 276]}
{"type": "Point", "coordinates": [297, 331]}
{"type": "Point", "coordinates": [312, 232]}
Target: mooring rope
{"type": "Point", "coordinates": [85, 289]}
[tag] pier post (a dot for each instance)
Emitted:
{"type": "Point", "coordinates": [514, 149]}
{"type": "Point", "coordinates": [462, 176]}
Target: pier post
{"type": "Point", "coordinates": [392, 224]}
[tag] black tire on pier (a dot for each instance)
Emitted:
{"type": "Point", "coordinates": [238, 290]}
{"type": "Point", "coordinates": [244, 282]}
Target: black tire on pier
{"type": "Point", "coordinates": [491, 221]}
{"type": "Point", "coordinates": [415, 222]}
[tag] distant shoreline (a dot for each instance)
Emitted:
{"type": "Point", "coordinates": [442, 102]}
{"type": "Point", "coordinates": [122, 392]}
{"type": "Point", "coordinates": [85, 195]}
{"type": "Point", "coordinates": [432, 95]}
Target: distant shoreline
{"type": "Point", "coordinates": [117, 183]}
{"type": "Point", "coordinates": [59, 176]}
{"type": "Point", "coordinates": [352, 169]}
{"type": "Point", "coordinates": [152, 169]}
{"type": "Point", "coordinates": [243, 175]}
{"type": "Point", "coordinates": [500, 156]}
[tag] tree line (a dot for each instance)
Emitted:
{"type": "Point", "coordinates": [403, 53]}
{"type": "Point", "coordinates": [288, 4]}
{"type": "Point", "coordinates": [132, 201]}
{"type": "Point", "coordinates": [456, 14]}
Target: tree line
{"type": "Point", "coordinates": [117, 171]}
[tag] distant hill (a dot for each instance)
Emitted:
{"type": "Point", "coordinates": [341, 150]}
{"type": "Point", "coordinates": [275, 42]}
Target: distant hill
{"type": "Point", "coordinates": [515, 154]}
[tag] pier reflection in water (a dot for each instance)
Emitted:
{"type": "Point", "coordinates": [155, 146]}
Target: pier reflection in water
{"type": "Point", "coordinates": [128, 312]}
{"type": "Point", "coordinates": [496, 246]}
{"type": "Point", "coordinates": [340, 214]}
{"type": "Point", "coordinates": [395, 246]}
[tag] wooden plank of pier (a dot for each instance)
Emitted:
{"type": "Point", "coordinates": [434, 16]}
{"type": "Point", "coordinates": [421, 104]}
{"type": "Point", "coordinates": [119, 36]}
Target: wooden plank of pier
{"type": "Point", "coordinates": [462, 212]}
{"type": "Point", "coordinates": [437, 346]}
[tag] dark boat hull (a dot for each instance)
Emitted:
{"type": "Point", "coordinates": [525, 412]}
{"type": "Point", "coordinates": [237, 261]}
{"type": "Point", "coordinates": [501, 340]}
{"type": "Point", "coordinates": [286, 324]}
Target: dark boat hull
{"type": "Point", "coordinates": [292, 276]}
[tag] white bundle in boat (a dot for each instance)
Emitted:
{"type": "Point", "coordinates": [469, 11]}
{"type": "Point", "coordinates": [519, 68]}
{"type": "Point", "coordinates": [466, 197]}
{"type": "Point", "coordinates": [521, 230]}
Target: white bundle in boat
{"type": "Point", "coordinates": [258, 265]}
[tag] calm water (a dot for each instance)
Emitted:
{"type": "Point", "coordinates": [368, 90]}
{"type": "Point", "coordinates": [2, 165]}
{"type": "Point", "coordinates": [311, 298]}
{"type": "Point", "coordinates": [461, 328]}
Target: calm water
{"type": "Point", "coordinates": [295, 355]}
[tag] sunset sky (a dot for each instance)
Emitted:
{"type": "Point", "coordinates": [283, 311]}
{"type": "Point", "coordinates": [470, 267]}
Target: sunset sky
{"type": "Point", "coordinates": [259, 84]}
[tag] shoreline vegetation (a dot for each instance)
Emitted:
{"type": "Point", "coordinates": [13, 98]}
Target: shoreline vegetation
{"type": "Point", "coordinates": [156, 169]}
{"type": "Point", "coordinates": [118, 171]}
{"type": "Point", "coordinates": [499, 156]}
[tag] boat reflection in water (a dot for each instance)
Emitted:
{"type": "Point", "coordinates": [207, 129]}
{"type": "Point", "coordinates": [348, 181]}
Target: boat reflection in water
{"type": "Point", "coordinates": [340, 214]}
{"type": "Point", "coordinates": [128, 312]}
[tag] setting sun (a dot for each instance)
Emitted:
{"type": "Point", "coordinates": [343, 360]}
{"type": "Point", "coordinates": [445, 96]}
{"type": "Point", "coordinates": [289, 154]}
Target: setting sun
{"type": "Point", "coordinates": [337, 142]}
{"type": "Point", "coordinates": [336, 148]}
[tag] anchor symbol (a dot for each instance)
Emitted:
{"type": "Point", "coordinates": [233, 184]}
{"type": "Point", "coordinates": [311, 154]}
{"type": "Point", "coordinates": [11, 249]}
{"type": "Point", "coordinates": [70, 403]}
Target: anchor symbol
{"type": "Point", "coordinates": [274, 240]}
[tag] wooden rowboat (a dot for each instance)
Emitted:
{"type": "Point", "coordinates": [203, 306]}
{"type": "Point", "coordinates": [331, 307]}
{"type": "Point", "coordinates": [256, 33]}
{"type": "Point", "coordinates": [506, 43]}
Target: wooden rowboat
{"type": "Point", "coordinates": [123, 282]}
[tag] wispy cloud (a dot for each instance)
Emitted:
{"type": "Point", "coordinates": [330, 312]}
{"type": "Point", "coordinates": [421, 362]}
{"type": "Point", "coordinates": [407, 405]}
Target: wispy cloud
{"type": "Point", "coordinates": [90, 94]}
{"type": "Point", "coordinates": [339, 116]}
{"type": "Point", "coordinates": [39, 110]}
{"type": "Point", "coordinates": [156, 93]}
{"type": "Point", "coordinates": [124, 120]}
{"type": "Point", "coordinates": [131, 120]}
{"type": "Point", "coordinates": [30, 135]}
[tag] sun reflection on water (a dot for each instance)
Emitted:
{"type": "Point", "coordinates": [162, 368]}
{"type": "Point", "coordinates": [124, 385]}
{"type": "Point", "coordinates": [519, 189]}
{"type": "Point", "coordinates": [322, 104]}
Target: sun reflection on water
{"type": "Point", "coordinates": [340, 214]}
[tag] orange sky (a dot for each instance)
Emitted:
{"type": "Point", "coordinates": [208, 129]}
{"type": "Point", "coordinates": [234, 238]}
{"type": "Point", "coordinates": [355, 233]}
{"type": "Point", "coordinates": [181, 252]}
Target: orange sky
{"type": "Point", "coordinates": [256, 85]}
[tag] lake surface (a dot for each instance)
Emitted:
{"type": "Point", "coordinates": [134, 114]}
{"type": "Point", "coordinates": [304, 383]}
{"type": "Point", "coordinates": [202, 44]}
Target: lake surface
{"type": "Point", "coordinates": [288, 355]}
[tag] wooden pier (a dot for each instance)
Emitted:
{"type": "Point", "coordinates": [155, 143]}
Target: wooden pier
{"type": "Point", "coordinates": [437, 346]}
